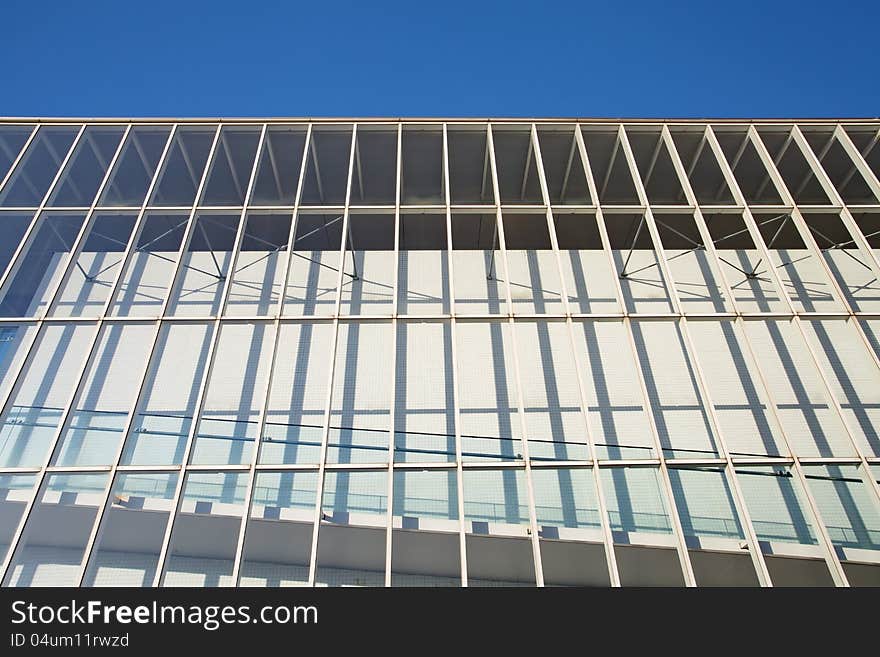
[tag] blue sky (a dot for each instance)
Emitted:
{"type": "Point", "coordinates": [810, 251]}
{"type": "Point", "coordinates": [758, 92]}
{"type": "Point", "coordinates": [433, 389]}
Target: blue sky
{"type": "Point", "coordinates": [273, 58]}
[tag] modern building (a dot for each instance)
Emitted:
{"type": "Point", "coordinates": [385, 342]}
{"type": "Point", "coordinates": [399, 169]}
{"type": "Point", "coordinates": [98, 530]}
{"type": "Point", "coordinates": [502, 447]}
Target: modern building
{"type": "Point", "coordinates": [439, 352]}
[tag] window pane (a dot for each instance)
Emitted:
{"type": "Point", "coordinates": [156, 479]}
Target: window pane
{"type": "Point", "coordinates": [40, 265]}
{"type": "Point", "coordinates": [52, 546]}
{"type": "Point", "coordinates": [259, 269]}
{"type": "Point", "coordinates": [361, 404]}
{"type": "Point", "coordinates": [423, 265]}
{"type": "Point", "coordinates": [34, 410]}
{"type": "Point", "coordinates": [87, 167]}
{"type": "Point", "coordinates": [314, 265]}
{"type": "Point", "coordinates": [15, 493]}
{"type": "Point", "coordinates": [31, 179]}
{"type": "Point", "coordinates": [92, 274]}
{"type": "Point", "coordinates": [279, 168]}
{"type": "Point", "coordinates": [614, 181]}
{"type": "Point", "coordinates": [847, 505]}
{"type": "Point", "coordinates": [423, 180]}
{"type": "Point", "coordinates": [776, 504]}
{"type": "Point", "coordinates": [165, 411]}
{"type": "Point", "coordinates": [375, 173]}
{"type": "Point", "coordinates": [478, 280]}
{"type": "Point", "coordinates": [94, 430]}
{"type": "Point", "coordinates": [14, 344]}
{"type": "Point", "coordinates": [230, 172]}
{"type": "Point", "coordinates": [518, 180]}
{"type": "Point", "coordinates": [563, 168]}
{"type": "Point", "coordinates": [206, 528]}
{"type": "Point", "coordinates": [489, 409]}
{"type": "Point", "coordinates": [230, 416]}
{"type": "Point", "coordinates": [278, 542]}
{"type": "Point", "coordinates": [705, 503]}
{"type": "Point", "coordinates": [151, 265]}
{"type": "Point", "coordinates": [135, 167]}
{"type": "Point", "coordinates": [126, 551]}
{"type": "Point", "coordinates": [565, 498]}
{"type": "Point", "coordinates": [368, 282]}
{"type": "Point", "coordinates": [13, 226]}
{"type": "Point", "coordinates": [535, 285]}
{"type": "Point", "coordinates": [424, 416]}
{"type": "Point", "coordinates": [12, 140]}
{"type": "Point", "coordinates": [470, 174]}
{"type": "Point", "coordinates": [298, 396]}
{"type": "Point", "coordinates": [326, 177]}
{"type": "Point", "coordinates": [589, 278]}
{"type": "Point", "coordinates": [636, 501]}
{"type": "Point", "coordinates": [204, 266]}
{"type": "Point", "coordinates": [184, 165]}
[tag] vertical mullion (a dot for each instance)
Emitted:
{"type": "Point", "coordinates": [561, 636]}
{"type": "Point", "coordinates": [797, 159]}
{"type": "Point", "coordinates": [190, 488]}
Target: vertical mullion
{"type": "Point", "coordinates": [533, 522]}
{"type": "Point", "coordinates": [459, 470]}
{"type": "Point", "coordinates": [678, 532]}
{"type": "Point", "coordinates": [392, 396]}
{"type": "Point", "coordinates": [607, 537]}
{"type": "Point", "coordinates": [325, 429]}
{"type": "Point", "coordinates": [831, 559]}
{"type": "Point", "coordinates": [99, 525]}
{"type": "Point", "coordinates": [86, 228]}
{"type": "Point", "coordinates": [755, 552]}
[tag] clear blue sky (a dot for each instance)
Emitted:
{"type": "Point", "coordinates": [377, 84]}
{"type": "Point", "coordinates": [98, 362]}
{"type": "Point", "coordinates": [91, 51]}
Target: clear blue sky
{"type": "Point", "coordinates": [326, 58]}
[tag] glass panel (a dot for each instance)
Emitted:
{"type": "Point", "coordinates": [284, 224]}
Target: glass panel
{"type": "Point", "coordinates": [34, 174]}
{"type": "Point", "coordinates": [374, 179]}
{"type": "Point", "coordinates": [424, 409]}
{"type": "Point", "coordinates": [796, 172]}
{"type": "Point", "coordinates": [327, 166]}
{"type": "Point", "coordinates": [165, 411]}
{"type": "Point", "coordinates": [135, 167]}
{"type": "Point", "coordinates": [15, 341]}
{"type": "Point", "coordinates": [423, 179]}
{"type": "Point", "coordinates": [679, 412]}
{"type": "Point", "coordinates": [351, 540]}
{"type": "Point", "coordinates": [563, 168]}
{"type": "Point", "coordinates": [361, 403]}
{"type": "Point", "coordinates": [489, 410]}
{"type": "Point", "coordinates": [278, 541]}
{"type": "Point", "coordinates": [734, 384]}
{"type": "Point", "coordinates": [776, 504]}
{"type": "Point", "coordinates": [12, 140]}
{"type": "Point", "coordinates": [635, 259]}
{"type": "Point", "coordinates": [655, 166]}
{"type": "Point", "coordinates": [802, 274]}
{"type": "Point", "coordinates": [52, 546]}
{"type": "Point", "coordinates": [259, 270]}
{"type": "Point", "coordinates": [206, 528]}
{"type": "Point", "coordinates": [128, 544]}
{"type": "Point", "coordinates": [748, 169]}
{"type": "Point", "coordinates": [279, 168]}
{"type": "Point", "coordinates": [586, 269]}
{"type": "Point", "coordinates": [298, 396]}
{"type": "Point", "coordinates": [853, 376]}
{"type": "Point", "coordinates": [470, 176]}
{"type": "Point", "coordinates": [204, 266]}
{"type": "Point", "coordinates": [847, 505]}
{"type": "Point", "coordinates": [705, 503]}
{"type": "Point", "coordinates": [753, 290]}
{"type": "Point", "coordinates": [13, 226]}
{"type": "Point", "coordinates": [92, 275]}
{"type": "Point", "coordinates": [369, 256]}
{"type": "Point", "coordinates": [535, 285]}
{"type": "Point", "coordinates": [33, 277]}
{"type": "Point", "coordinates": [518, 180]}
{"type": "Point", "coordinates": [15, 493]}
{"type": "Point", "coordinates": [425, 548]}
{"type": "Point", "coordinates": [35, 408]}
{"type": "Point", "coordinates": [703, 171]}
{"type": "Point", "coordinates": [184, 165]}
{"type": "Point", "coordinates": [565, 498]}
{"type": "Point", "coordinates": [230, 417]}
{"type": "Point", "coordinates": [694, 274]}
{"type": "Point", "coordinates": [87, 167]}
{"type": "Point", "coordinates": [811, 424]}
{"type": "Point", "coordinates": [635, 500]}
{"type": "Point", "coordinates": [313, 273]}
{"type": "Point", "coordinates": [618, 419]}
{"type": "Point", "coordinates": [112, 380]}
{"type": "Point", "coordinates": [614, 182]}
{"type": "Point", "coordinates": [423, 265]}
{"type": "Point", "coordinates": [496, 511]}
{"type": "Point", "coordinates": [476, 257]}
{"type": "Point", "coordinates": [230, 171]}
{"type": "Point", "coordinates": [555, 423]}
{"type": "Point", "coordinates": [151, 265]}
{"type": "Point", "coordinates": [834, 160]}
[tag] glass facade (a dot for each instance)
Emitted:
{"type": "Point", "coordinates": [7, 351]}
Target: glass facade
{"type": "Point", "coordinates": [439, 353]}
